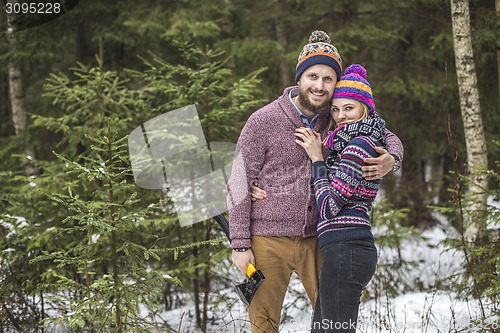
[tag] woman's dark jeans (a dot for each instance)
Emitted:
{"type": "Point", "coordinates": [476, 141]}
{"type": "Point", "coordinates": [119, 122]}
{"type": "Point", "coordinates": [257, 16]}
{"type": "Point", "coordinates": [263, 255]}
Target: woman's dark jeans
{"type": "Point", "coordinates": [347, 268]}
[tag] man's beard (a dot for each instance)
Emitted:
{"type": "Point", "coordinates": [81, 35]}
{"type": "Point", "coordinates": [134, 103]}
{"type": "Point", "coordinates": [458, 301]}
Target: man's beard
{"type": "Point", "coordinates": [315, 109]}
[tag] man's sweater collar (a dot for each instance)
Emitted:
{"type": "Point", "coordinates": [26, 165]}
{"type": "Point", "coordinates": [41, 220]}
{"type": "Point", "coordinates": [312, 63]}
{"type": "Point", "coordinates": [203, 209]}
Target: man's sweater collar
{"type": "Point", "coordinates": [291, 112]}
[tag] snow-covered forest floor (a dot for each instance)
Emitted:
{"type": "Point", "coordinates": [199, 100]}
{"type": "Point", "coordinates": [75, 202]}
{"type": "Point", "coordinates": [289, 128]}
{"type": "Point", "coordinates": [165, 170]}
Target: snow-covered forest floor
{"type": "Point", "coordinates": [425, 300]}
{"type": "Point", "coordinates": [416, 289]}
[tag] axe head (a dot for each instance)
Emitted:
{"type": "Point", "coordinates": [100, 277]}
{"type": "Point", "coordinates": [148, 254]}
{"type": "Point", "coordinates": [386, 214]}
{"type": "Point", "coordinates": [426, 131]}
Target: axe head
{"type": "Point", "coordinates": [247, 289]}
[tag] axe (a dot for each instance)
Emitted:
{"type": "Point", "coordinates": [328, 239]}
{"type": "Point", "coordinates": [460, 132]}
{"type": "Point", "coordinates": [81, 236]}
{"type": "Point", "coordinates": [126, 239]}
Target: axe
{"type": "Point", "coordinates": [254, 277]}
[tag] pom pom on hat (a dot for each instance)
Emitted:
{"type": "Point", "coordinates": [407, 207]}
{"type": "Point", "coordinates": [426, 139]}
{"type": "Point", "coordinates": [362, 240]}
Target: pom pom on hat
{"type": "Point", "coordinates": [318, 51]}
{"type": "Point", "coordinates": [353, 85]}
{"type": "Point", "coordinates": [319, 37]}
{"type": "Point", "coordinates": [356, 69]}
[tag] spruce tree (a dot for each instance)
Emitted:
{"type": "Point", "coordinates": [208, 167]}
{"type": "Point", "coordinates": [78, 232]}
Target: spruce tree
{"type": "Point", "coordinates": [104, 252]}
{"type": "Point", "coordinates": [99, 277]}
{"type": "Point", "coordinates": [200, 78]}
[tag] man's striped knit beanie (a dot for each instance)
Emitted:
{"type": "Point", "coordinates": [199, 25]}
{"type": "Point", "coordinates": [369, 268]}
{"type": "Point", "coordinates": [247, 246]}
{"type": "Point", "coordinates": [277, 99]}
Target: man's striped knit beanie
{"type": "Point", "coordinates": [353, 85]}
{"type": "Point", "coordinates": [318, 51]}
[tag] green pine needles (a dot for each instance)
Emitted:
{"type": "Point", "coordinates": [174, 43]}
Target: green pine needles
{"type": "Point", "coordinates": [100, 277]}
{"type": "Point", "coordinates": [103, 254]}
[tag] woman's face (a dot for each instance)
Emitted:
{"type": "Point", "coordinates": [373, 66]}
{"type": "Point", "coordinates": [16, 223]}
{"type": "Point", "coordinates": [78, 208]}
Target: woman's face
{"type": "Point", "coordinates": [346, 110]}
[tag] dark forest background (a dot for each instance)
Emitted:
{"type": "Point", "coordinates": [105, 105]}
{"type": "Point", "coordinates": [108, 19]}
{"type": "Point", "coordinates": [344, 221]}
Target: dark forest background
{"type": "Point", "coordinates": [71, 231]}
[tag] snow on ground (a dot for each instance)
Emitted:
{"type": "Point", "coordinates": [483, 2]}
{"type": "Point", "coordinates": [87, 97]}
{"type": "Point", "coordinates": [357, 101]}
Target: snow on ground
{"type": "Point", "coordinates": [423, 304]}
{"type": "Point", "coordinates": [431, 310]}
{"type": "Point", "coordinates": [412, 312]}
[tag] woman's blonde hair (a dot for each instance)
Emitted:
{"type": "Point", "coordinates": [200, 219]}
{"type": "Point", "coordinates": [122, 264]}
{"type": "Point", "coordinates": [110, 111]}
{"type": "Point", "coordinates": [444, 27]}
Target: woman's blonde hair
{"type": "Point", "coordinates": [364, 115]}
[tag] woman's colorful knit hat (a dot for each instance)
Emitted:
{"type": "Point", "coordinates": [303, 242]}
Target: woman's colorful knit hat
{"type": "Point", "coordinates": [318, 51]}
{"type": "Point", "coordinates": [353, 85]}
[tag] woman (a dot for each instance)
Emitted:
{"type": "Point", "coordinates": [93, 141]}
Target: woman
{"type": "Point", "coordinates": [344, 199]}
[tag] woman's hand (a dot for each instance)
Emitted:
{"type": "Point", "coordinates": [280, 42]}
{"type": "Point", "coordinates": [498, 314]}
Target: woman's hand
{"type": "Point", "coordinates": [311, 142]}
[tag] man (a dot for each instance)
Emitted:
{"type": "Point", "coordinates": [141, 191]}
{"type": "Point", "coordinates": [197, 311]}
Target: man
{"type": "Point", "coordinates": [278, 234]}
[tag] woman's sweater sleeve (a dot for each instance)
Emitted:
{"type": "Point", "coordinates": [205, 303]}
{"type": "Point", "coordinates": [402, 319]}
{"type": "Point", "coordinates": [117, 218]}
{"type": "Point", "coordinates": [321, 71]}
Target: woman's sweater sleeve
{"type": "Point", "coordinates": [332, 195]}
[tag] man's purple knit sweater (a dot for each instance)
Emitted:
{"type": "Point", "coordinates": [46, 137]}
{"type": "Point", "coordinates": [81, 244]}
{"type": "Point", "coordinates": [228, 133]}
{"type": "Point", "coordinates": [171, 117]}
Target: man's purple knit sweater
{"type": "Point", "coordinates": [267, 151]}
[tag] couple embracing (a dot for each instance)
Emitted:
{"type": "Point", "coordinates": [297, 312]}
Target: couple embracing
{"type": "Point", "coordinates": [315, 157]}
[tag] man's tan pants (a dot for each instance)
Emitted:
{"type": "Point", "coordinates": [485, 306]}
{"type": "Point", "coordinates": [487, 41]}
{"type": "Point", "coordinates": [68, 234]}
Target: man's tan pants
{"type": "Point", "coordinates": [278, 258]}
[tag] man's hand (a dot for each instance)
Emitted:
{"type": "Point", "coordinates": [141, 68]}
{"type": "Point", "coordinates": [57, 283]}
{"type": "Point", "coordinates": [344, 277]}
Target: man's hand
{"type": "Point", "coordinates": [256, 192]}
{"type": "Point", "coordinates": [243, 259]}
{"type": "Point", "coordinates": [378, 167]}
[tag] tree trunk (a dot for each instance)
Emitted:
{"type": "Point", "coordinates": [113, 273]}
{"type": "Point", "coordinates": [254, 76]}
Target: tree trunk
{"type": "Point", "coordinates": [4, 110]}
{"type": "Point", "coordinates": [17, 98]}
{"type": "Point", "coordinates": [281, 38]}
{"type": "Point", "coordinates": [475, 204]}
{"type": "Point", "coordinates": [206, 286]}
{"type": "Point", "coordinates": [196, 292]}
{"type": "Point", "coordinates": [497, 8]}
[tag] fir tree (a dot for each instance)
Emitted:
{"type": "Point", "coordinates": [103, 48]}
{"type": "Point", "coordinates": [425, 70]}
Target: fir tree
{"type": "Point", "coordinates": [106, 251]}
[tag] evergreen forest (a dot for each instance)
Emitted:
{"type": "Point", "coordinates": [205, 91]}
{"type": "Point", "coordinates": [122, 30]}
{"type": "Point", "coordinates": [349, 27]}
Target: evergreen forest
{"type": "Point", "coordinates": [83, 248]}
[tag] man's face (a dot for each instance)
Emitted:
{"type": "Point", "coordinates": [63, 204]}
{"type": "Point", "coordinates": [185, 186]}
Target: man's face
{"type": "Point", "coordinates": [316, 87]}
